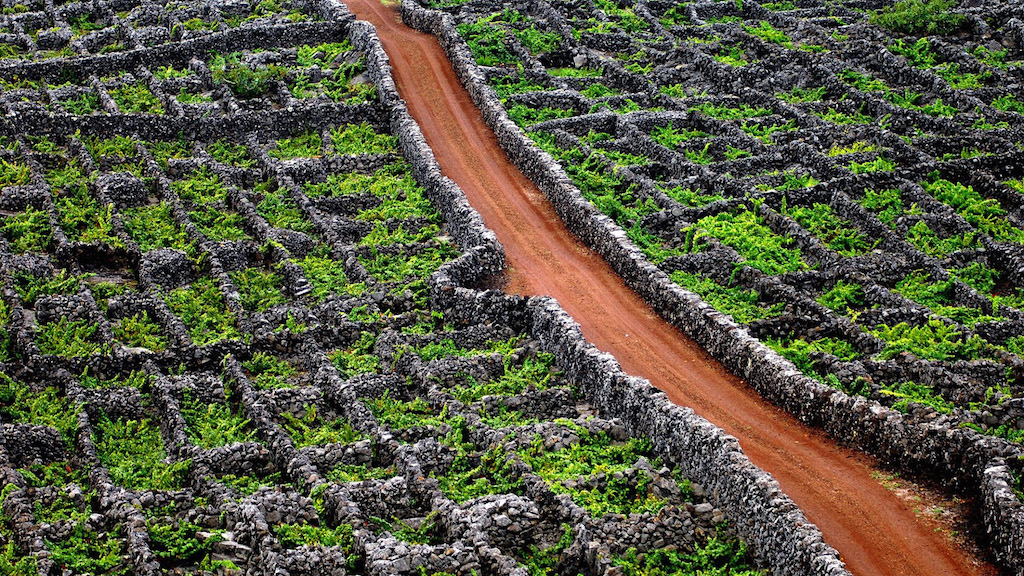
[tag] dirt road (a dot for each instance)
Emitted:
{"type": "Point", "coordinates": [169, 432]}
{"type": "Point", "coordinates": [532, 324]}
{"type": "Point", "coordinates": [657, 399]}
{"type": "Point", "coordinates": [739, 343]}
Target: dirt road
{"type": "Point", "coordinates": [876, 532]}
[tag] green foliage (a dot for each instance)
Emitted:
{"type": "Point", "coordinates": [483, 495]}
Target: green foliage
{"type": "Point", "coordinates": [398, 415]}
{"type": "Point", "coordinates": [281, 211]}
{"type": "Point", "coordinates": [1008, 103]}
{"type": "Point", "coordinates": [985, 214]}
{"type": "Point", "coordinates": [135, 379]}
{"type": "Point", "coordinates": [326, 276]}
{"type": "Point", "coordinates": [799, 351]}
{"type": "Point", "coordinates": [269, 372]}
{"type": "Point", "coordinates": [117, 146]}
{"type": "Point", "coordinates": [31, 287]}
{"type": "Point", "coordinates": [404, 267]}
{"type": "Point", "coordinates": [747, 233]}
{"type": "Point", "coordinates": [798, 94]}
{"type": "Point", "coordinates": [524, 115]}
{"type": "Point", "coordinates": [13, 173]}
{"type": "Point", "coordinates": [838, 234]}
{"type": "Point", "coordinates": [734, 56]}
{"type": "Point", "coordinates": [742, 305]}
{"type": "Point", "coordinates": [537, 41]}
{"type": "Point", "coordinates": [879, 164]}
{"type": "Point", "coordinates": [70, 338]}
{"type": "Point", "coordinates": [306, 145]}
{"type": "Point", "coordinates": [20, 405]}
{"type": "Point", "coordinates": [244, 81]}
{"type": "Point", "coordinates": [932, 341]}
{"type": "Point", "coordinates": [343, 473]}
{"type": "Point", "coordinates": [727, 112]}
{"type": "Point", "coordinates": [312, 429]}
{"type": "Point", "coordinates": [843, 297]}
{"type": "Point", "coordinates": [928, 241]}
{"type": "Point", "coordinates": [218, 224]}
{"type": "Point", "coordinates": [83, 219]}
{"type": "Point", "coordinates": [671, 137]}
{"type": "Point", "coordinates": [769, 33]}
{"type": "Point", "coordinates": [132, 98]}
{"type": "Point", "coordinates": [358, 359]}
{"type": "Point", "coordinates": [28, 231]}
{"type": "Point", "coordinates": [921, 17]}
{"type": "Point", "coordinates": [177, 540]}
{"type": "Point", "coordinates": [153, 227]}
{"type": "Point", "coordinates": [214, 424]}
{"type": "Point", "coordinates": [535, 373]}
{"type": "Point", "coordinates": [583, 72]}
{"type": "Point", "coordinates": [87, 552]}
{"type": "Point", "coordinates": [140, 331]}
{"type": "Point", "coordinates": [506, 86]}
{"type": "Point", "coordinates": [472, 477]}
{"type": "Point", "coordinates": [487, 41]}
{"type": "Point", "coordinates": [296, 535]}
{"type": "Point", "coordinates": [689, 197]}
{"type": "Point", "coordinates": [906, 392]}
{"type": "Point", "coordinates": [230, 153]}
{"type": "Point", "coordinates": [362, 139]}
{"type": "Point", "coordinates": [938, 295]}
{"type": "Point", "coordinates": [134, 454]}
{"type": "Point", "coordinates": [202, 186]}
{"type": "Point", "coordinates": [259, 290]}
{"type": "Point", "coordinates": [717, 557]}
{"type": "Point", "coordinates": [764, 132]}
{"type": "Point", "coordinates": [201, 307]}
{"type": "Point", "coordinates": [83, 105]}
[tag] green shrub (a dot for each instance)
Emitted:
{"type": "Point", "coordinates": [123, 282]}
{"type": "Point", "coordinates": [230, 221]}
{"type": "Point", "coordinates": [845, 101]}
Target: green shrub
{"type": "Point", "coordinates": [466, 479]}
{"type": "Point", "coordinates": [487, 42]}
{"type": "Point", "coordinates": [70, 338]}
{"type": "Point", "coordinates": [134, 454]}
{"type": "Point", "coordinates": [87, 552]}
{"type": "Point", "coordinates": [28, 231]}
{"type": "Point", "coordinates": [747, 233]}
{"type": "Point", "coordinates": [923, 17]}
{"type": "Point", "coordinates": [362, 139]}
{"type": "Point", "coordinates": [20, 405]}
{"type": "Point", "coordinates": [358, 359]}
{"type": "Point", "coordinates": [214, 424]}
{"type": "Point", "coordinates": [136, 97]}
{"type": "Point", "coordinates": [140, 331]}
{"type": "Point", "coordinates": [201, 307]}
{"type": "Point", "coordinates": [718, 556]}
{"type": "Point", "coordinates": [906, 392]}
{"type": "Point", "coordinates": [153, 227]}
{"type": "Point", "coordinates": [838, 234]}
{"type": "Point", "coordinates": [245, 82]}
{"type": "Point", "coordinates": [312, 429]}
{"type": "Point", "coordinates": [932, 341]}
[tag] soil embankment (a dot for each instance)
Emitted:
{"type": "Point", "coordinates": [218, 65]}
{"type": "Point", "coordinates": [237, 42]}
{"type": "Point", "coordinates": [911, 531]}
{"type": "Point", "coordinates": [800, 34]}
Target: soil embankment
{"type": "Point", "coordinates": [878, 532]}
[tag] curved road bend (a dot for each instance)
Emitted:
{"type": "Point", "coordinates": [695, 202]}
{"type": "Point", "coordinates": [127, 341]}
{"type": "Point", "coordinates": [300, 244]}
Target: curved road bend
{"type": "Point", "coordinates": [876, 532]}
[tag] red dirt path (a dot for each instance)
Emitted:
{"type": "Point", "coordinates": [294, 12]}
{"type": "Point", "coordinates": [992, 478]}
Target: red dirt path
{"type": "Point", "coordinates": [875, 531]}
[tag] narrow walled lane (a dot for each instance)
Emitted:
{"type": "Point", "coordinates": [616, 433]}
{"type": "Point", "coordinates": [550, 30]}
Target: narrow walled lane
{"type": "Point", "coordinates": [876, 531]}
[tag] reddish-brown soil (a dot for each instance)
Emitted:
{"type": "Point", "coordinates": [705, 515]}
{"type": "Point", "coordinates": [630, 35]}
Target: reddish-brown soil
{"type": "Point", "coordinates": [875, 530]}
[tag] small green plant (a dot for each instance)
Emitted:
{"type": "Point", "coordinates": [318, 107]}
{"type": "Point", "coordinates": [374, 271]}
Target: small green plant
{"type": "Point", "coordinates": [244, 81]}
{"type": "Point", "coordinates": [838, 234]}
{"type": "Point", "coordinates": [134, 454]}
{"type": "Point", "coordinates": [358, 358]}
{"type": "Point", "coordinates": [362, 139]}
{"type": "Point", "coordinates": [28, 231]}
{"type": "Point", "coordinates": [214, 424]}
{"type": "Point", "coordinates": [312, 429]}
{"type": "Point", "coordinates": [920, 17]}
{"type": "Point", "coordinates": [20, 405]}
{"type": "Point", "coordinates": [474, 476]}
{"type": "Point", "coordinates": [201, 307]}
{"type": "Point", "coordinates": [307, 145]}
{"type": "Point", "coordinates": [843, 297]}
{"type": "Point", "coordinates": [70, 338]}
{"type": "Point", "coordinates": [259, 290]}
{"type": "Point", "coordinates": [153, 227]}
{"type": "Point", "coordinates": [906, 392]}
{"type": "Point", "coordinates": [268, 371]}
{"type": "Point", "coordinates": [230, 153]}
{"type": "Point", "coordinates": [85, 551]}
{"type": "Point", "coordinates": [140, 331]}
{"type": "Point", "coordinates": [136, 97]}
{"type": "Point", "coordinates": [748, 234]}
{"type": "Point", "coordinates": [718, 556]}
{"type": "Point", "coordinates": [487, 42]}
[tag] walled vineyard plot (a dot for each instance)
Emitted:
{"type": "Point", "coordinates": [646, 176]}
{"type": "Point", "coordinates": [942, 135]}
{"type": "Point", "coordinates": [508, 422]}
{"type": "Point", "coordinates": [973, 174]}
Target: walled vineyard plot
{"type": "Point", "coordinates": [220, 353]}
{"type": "Point", "coordinates": [832, 181]}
